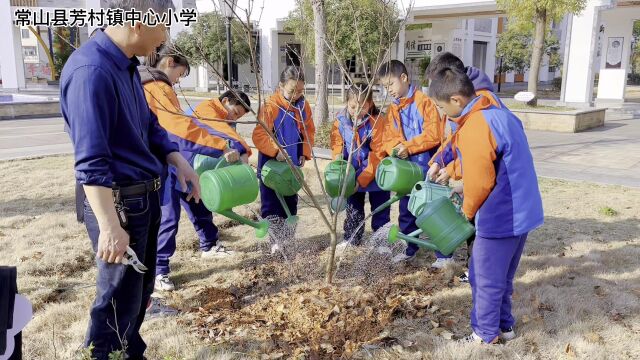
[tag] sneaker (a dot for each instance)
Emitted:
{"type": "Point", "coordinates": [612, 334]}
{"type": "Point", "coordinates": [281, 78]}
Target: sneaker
{"type": "Point", "coordinates": [475, 339]}
{"type": "Point", "coordinates": [163, 283]}
{"type": "Point", "coordinates": [402, 257]}
{"type": "Point", "coordinates": [464, 278]}
{"type": "Point", "coordinates": [508, 334]}
{"type": "Point", "coordinates": [275, 248]}
{"type": "Point", "coordinates": [157, 309]}
{"type": "Point", "coordinates": [218, 251]}
{"type": "Point", "coordinates": [440, 263]}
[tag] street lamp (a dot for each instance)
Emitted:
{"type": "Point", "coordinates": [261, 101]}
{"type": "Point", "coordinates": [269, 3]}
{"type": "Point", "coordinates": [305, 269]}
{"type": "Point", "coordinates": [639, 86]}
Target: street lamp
{"type": "Point", "coordinates": [227, 8]}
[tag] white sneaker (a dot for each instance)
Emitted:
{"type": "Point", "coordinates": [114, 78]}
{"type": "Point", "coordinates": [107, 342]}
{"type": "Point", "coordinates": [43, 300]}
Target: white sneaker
{"type": "Point", "coordinates": [274, 249]}
{"type": "Point", "coordinates": [402, 257]}
{"type": "Point", "coordinates": [217, 251]}
{"type": "Point", "coordinates": [476, 339]}
{"type": "Point", "coordinates": [508, 334]}
{"type": "Point", "coordinates": [163, 283]}
{"type": "Point", "coordinates": [440, 263]}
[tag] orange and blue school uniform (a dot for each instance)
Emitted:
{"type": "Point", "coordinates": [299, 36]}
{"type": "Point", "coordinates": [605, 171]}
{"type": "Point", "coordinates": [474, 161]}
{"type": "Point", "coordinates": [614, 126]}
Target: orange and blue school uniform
{"type": "Point", "coordinates": [483, 86]}
{"type": "Point", "coordinates": [366, 154]}
{"type": "Point", "coordinates": [501, 192]}
{"type": "Point", "coordinates": [415, 122]}
{"type": "Point", "coordinates": [292, 125]}
{"type": "Point", "coordinates": [192, 137]}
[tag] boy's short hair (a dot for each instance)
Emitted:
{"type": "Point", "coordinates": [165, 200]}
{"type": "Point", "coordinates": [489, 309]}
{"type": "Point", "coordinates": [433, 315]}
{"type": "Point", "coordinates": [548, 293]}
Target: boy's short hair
{"type": "Point", "coordinates": [393, 68]}
{"type": "Point", "coordinates": [449, 82]}
{"type": "Point", "coordinates": [444, 60]}
{"type": "Point", "coordinates": [234, 100]}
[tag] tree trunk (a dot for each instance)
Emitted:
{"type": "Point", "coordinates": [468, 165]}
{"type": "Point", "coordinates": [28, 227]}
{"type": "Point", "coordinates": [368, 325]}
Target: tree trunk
{"type": "Point", "coordinates": [331, 262]}
{"type": "Point", "coordinates": [536, 54]}
{"type": "Point", "coordinates": [321, 111]}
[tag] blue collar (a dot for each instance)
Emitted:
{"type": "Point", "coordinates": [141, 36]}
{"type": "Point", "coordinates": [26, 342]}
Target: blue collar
{"type": "Point", "coordinates": [412, 90]}
{"type": "Point", "coordinates": [115, 53]}
{"type": "Point", "coordinates": [467, 109]}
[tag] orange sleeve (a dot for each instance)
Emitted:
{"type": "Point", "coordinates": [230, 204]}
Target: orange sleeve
{"type": "Point", "coordinates": [336, 140]}
{"type": "Point", "coordinates": [205, 111]}
{"type": "Point", "coordinates": [478, 148]}
{"type": "Point", "coordinates": [310, 133]}
{"type": "Point", "coordinates": [375, 155]}
{"type": "Point", "coordinates": [164, 103]}
{"type": "Point", "coordinates": [430, 136]}
{"type": "Point", "coordinates": [392, 136]}
{"type": "Point", "coordinates": [260, 137]}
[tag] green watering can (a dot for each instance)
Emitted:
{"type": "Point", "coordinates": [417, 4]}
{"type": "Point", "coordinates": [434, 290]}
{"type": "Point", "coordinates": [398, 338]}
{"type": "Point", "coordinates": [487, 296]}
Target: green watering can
{"type": "Point", "coordinates": [442, 223]}
{"type": "Point", "coordinates": [396, 175]}
{"type": "Point", "coordinates": [226, 187]}
{"type": "Point", "coordinates": [425, 192]}
{"type": "Point", "coordinates": [337, 173]}
{"type": "Point", "coordinates": [279, 177]}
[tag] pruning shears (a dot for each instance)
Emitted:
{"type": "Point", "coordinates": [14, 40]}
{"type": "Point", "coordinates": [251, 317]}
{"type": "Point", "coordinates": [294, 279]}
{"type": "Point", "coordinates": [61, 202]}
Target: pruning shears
{"type": "Point", "coordinates": [130, 258]}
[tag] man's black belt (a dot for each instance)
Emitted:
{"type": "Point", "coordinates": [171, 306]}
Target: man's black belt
{"type": "Point", "coordinates": [137, 188]}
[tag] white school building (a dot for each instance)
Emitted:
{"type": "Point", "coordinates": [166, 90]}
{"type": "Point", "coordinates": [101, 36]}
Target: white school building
{"type": "Point", "coordinates": [596, 43]}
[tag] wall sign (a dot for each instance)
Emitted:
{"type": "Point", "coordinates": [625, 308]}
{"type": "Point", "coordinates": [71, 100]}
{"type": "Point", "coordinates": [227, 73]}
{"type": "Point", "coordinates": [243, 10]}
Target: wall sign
{"type": "Point", "coordinates": [614, 52]}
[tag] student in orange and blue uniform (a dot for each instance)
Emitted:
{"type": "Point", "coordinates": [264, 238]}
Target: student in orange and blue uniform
{"type": "Point", "coordinates": [413, 132]}
{"type": "Point", "coordinates": [288, 116]}
{"type": "Point", "coordinates": [193, 137]}
{"type": "Point", "coordinates": [500, 191]}
{"type": "Point", "coordinates": [483, 86]}
{"type": "Point", "coordinates": [361, 121]}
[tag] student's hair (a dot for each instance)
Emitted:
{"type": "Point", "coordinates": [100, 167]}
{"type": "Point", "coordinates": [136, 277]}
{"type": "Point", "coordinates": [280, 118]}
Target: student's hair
{"type": "Point", "coordinates": [449, 82]}
{"type": "Point", "coordinates": [444, 60]}
{"type": "Point", "coordinates": [362, 92]}
{"type": "Point", "coordinates": [159, 6]}
{"type": "Point", "coordinates": [393, 68]}
{"type": "Point", "coordinates": [234, 100]}
{"type": "Point", "coordinates": [291, 73]}
{"type": "Point", "coordinates": [166, 51]}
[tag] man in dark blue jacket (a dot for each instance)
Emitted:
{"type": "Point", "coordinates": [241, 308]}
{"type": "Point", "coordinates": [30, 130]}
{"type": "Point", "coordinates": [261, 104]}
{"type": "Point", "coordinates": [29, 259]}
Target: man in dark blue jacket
{"type": "Point", "coordinates": [120, 153]}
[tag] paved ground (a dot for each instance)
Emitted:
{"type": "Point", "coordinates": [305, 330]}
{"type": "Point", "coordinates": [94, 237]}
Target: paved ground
{"type": "Point", "coordinates": [607, 155]}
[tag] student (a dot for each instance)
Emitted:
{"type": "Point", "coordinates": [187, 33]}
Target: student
{"type": "Point", "coordinates": [164, 69]}
{"type": "Point", "coordinates": [413, 132]}
{"type": "Point", "coordinates": [483, 86]}
{"type": "Point", "coordinates": [365, 146]}
{"type": "Point", "coordinates": [500, 191]}
{"type": "Point", "coordinates": [288, 116]}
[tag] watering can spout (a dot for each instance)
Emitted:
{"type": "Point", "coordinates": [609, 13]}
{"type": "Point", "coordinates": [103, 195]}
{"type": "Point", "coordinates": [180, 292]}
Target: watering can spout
{"type": "Point", "coordinates": [387, 203]}
{"type": "Point", "coordinates": [262, 226]}
{"type": "Point", "coordinates": [395, 234]}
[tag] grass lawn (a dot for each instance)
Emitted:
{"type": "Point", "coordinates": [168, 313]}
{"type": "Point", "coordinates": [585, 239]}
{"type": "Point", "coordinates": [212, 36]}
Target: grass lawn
{"type": "Point", "coordinates": [577, 289]}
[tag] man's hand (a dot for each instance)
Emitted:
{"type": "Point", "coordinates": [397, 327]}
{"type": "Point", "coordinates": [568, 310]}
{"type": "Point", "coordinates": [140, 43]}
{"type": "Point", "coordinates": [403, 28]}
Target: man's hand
{"type": "Point", "coordinates": [302, 160]}
{"type": "Point", "coordinates": [112, 243]}
{"type": "Point", "coordinates": [458, 189]}
{"type": "Point", "coordinates": [244, 158]}
{"type": "Point", "coordinates": [338, 157]}
{"type": "Point", "coordinates": [281, 156]}
{"type": "Point", "coordinates": [443, 177]}
{"type": "Point", "coordinates": [401, 151]}
{"type": "Point", "coordinates": [186, 175]}
{"type": "Point", "coordinates": [231, 155]}
{"type": "Point", "coordinates": [433, 171]}
{"type": "Point", "coordinates": [113, 239]}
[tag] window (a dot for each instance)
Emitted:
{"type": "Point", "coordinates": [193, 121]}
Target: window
{"type": "Point", "coordinates": [25, 33]}
{"type": "Point", "coordinates": [29, 51]}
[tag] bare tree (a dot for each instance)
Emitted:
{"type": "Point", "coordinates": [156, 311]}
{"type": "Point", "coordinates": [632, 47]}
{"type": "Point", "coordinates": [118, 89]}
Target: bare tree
{"type": "Point", "coordinates": [320, 24]}
{"type": "Point", "coordinates": [323, 42]}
